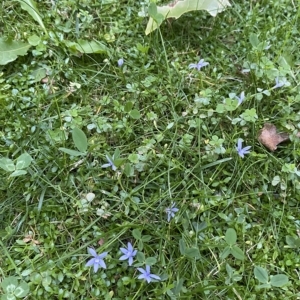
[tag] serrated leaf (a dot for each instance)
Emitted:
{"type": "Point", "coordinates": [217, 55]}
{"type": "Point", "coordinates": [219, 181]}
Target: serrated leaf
{"type": "Point", "coordinates": [23, 161]}
{"type": "Point", "coordinates": [261, 274]}
{"type": "Point", "coordinates": [279, 280]}
{"type": "Point", "coordinates": [71, 152]}
{"type": "Point", "coordinates": [237, 252]}
{"type": "Point", "coordinates": [10, 50]}
{"type": "Point", "coordinates": [31, 8]}
{"type": "Point", "coordinates": [230, 236]}
{"type": "Point", "coordinates": [79, 139]}
{"type": "Point", "coordinates": [7, 164]}
{"type": "Point", "coordinates": [175, 10]}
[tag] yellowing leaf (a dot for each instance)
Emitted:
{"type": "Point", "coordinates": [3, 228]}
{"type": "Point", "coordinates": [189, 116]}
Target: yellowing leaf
{"type": "Point", "coordinates": [10, 50]}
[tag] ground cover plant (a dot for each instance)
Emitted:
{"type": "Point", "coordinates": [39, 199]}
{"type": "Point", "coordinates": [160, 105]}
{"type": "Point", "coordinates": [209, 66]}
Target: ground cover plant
{"type": "Point", "coordinates": [130, 163]}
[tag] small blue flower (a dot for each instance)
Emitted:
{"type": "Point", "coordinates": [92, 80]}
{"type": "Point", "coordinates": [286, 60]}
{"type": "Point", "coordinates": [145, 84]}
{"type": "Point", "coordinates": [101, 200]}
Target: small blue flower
{"type": "Point", "coordinates": [241, 98]}
{"type": "Point", "coordinates": [278, 84]}
{"type": "Point", "coordinates": [199, 65]}
{"type": "Point", "coordinates": [120, 62]}
{"type": "Point", "coordinates": [129, 253]}
{"type": "Point", "coordinates": [97, 261]}
{"type": "Point", "coordinates": [110, 164]}
{"type": "Point", "coordinates": [147, 275]}
{"type": "Point", "coordinates": [171, 211]}
{"type": "Point", "coordinates": [242, 151]}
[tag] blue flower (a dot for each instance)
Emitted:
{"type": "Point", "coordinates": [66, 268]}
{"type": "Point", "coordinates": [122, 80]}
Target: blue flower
{"type": "Point", "coordinates": [278, 84]}
{"type": "Point", "coordinates": [171, 211]}
{"type": "Point", "coordinates": [241, 98]}
{"type": "Point", "coordinates": [120, 62]}
{"type": "Point", "coordinates": [147, 275]}
{"type": "Point", "coordinates": [242, 151]}
{"type": "Point", "coordinates": [97, 261]}
{"type": "Point", "coordinates": [110, 164]}
{"type": "Point", "coordinates": [129, 253]}
{"type": "Point", "coordinates": [199, 65]}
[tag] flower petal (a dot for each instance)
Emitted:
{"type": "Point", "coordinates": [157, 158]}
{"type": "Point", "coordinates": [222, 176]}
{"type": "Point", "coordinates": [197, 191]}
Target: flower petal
{"type": "Point", "coordinates": [90, 262]}
{"type": "Point", "coordinates": [155, 276]}
{"type": "Point", "coordinates": [92, 252]}
{"type": "Point", "coordinates": [123, 257]}
{"type": "Point", "coordinates": [102, 255]}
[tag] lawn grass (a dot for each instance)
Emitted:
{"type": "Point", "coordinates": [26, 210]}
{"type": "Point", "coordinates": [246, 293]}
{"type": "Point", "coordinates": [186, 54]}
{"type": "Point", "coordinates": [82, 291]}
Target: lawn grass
{"type": "Point", "coordinates": [172, 133]}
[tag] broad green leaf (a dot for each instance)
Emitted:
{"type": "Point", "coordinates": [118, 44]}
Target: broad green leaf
{"type": "Point", "coordinates": [137, 234]}
{"type": "Point", "coordinates": [152, 11]}
{"type": "Point", "coordinates": [128, 106]}
{"type": "Point", "coordinates": [135, 114]}
{"type": "Point", "coordinates": [192, 252]}
{"type": "Point", "coordinates": [8, 282]}
{"type": "Point", "coordinates": [182, 246]}
{"type": "Point", "coordinates": [237, 252]}
{"type": "Point", "coordinates": [279, 280]}
{"type": "Point", "coordinates": [175, 10]}
{"type": "Point", "coordinates": [261, 274]}
{"type": "Point", "coordinates": [254, 40]}
{"type": "Point", "coordinates": [34, 40]}
{"type": "Point", "coordinates": [18, 173]}
{"type": "Point", "coordinates": [10, 50]}
{"type": "Point", "coordinates": [84, 46]}
{"type": "Point", "coordinates": [150, 261]}
{"type": "Point", "coordinates": [79, 139]}
{"type": "Point", "coordinates": [22, 290]}
{"type": "Point", "coordinates": [38, 74]}
{"type": "Point", "coordinates": [225, 252]}
{"type": "Point", "coordinates": [31, 8]}
{"type": "Point", "coordinates": [199, 226]}
{"type": "Point", "coordinates": [7, 164]}
{"type": "Point", "coordinates": [230, 236]}
{"type": "Point", "coordinates": [71, 152]}
{"type": "Point", "coordinates": [23, 161]}
{"type": "Point", "coordinates": [292, 242]}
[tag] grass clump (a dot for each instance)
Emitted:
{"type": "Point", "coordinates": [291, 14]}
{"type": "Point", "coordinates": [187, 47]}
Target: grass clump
{"type": "Point", "coordinates": [130, 164]}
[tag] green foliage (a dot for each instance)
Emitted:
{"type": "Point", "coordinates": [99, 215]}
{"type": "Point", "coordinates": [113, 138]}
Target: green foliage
{"type": "Point", "coordinates": [262, 276]}
{"type": "Point", "coordinates": [13, 289]}
{"type": "Point", "coordinates": [18, 169]}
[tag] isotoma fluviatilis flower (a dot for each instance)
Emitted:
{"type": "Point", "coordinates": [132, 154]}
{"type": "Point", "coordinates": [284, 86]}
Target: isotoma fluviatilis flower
{"type": "Point", "coordinates": [129, 253]}
{"type": "Point", "coordinates": [278, 84]}
{"type": "Point", "coordinates": [146, 275]}
{"type": "Point", "coordinates": [241, 98]}
{"type": "Point", "coordinates": [201, 63]}
{"type": "Point", "coordinates": [171, 211]}
{"type": "Point", "coordinates": [240, 150]}
{"type": "Point", "coordinates": [97, 260]}
{"type": "Point", "coordinates": [120, 62]}
{"type": "Point", "coordinates": [109, 164]}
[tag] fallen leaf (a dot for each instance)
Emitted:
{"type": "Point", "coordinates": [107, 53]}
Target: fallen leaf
{"type": "Point", "coordinates": [269, 137]}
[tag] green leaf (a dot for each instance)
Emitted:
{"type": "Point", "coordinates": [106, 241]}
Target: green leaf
{"type": "Point", "coordinates": [31, 8]}
{"type": "Point", "coordinates": [84, 46]}
{"type": "Point", "coordinates": [10, 50]}
{"type": "Point", "coordinates": [292, 242]}
{"type": "Point", "coordinates": [182, 246]}
{"type": "Point", "coordinates": [261, 274]}
{"type": "Point", "coordinates": [7, 164]}
{"type": "Point", "coordinates": [225, 252]}
{"type": "Point", "coordinates": [8, 283]}
{"type": "Point", "coordinates": [23, 161]}
{"type": "Point", "coordinates": [79, 139]}
{"type": "Point", "coordinates": [71, 152]}
{"type": "Point", "coordinates": [199, 226]}
{"type": "Point", "coordinates": [135, 114]}
{"type": "Point", "coordinates": [137, 234]}
{"type": "Point", "coordinates": [34, 40]}
{"type": "Point", "coordinates": [192, 252]}
{"type": "Point", "coordinates": [18, 173]}
{"type": "Point", "coordinates": [150, 261]}
{"type": "Point", "coordinates": [22, 290]}
{"type": "Point", "coordinates": [38, 74]}
{"type": "Point", "coordinates": [254, 40]}
{"type": "Point", "coordinates": [237, 252]}
{"type": "Point", "coordinates": [230, 236]}
{"type": "Point", "coordinates": [276, 180]}
{"type": "Point", "coordinates": [279, 280]}
{"type": "Point", "coordinates": [172, 10]}
{"type": "Point", "coordinates": [128, 106]}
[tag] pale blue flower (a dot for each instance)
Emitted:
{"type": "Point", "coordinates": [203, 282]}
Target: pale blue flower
{"type": "Point", "coordinates": [199, 65]}
{"type": "Point", "coordinates": [241, 98]}
{"type": "Point", "coordinates": [147, 275]}
{"type": "Point", "coordinates": [242, 151]}
{"type": "Point", "coordinates": [97, 261]}
{"type": "Point", "coordinates": [129, 253]}
{"type": "Point", "coordinates": [171, 211]}
{"type": "Point", "coordinates": [109, 164]}
{"type": "Point", "coordinates": [120, 62]}
{"type": "Point", "coordinates": [278, 84]}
